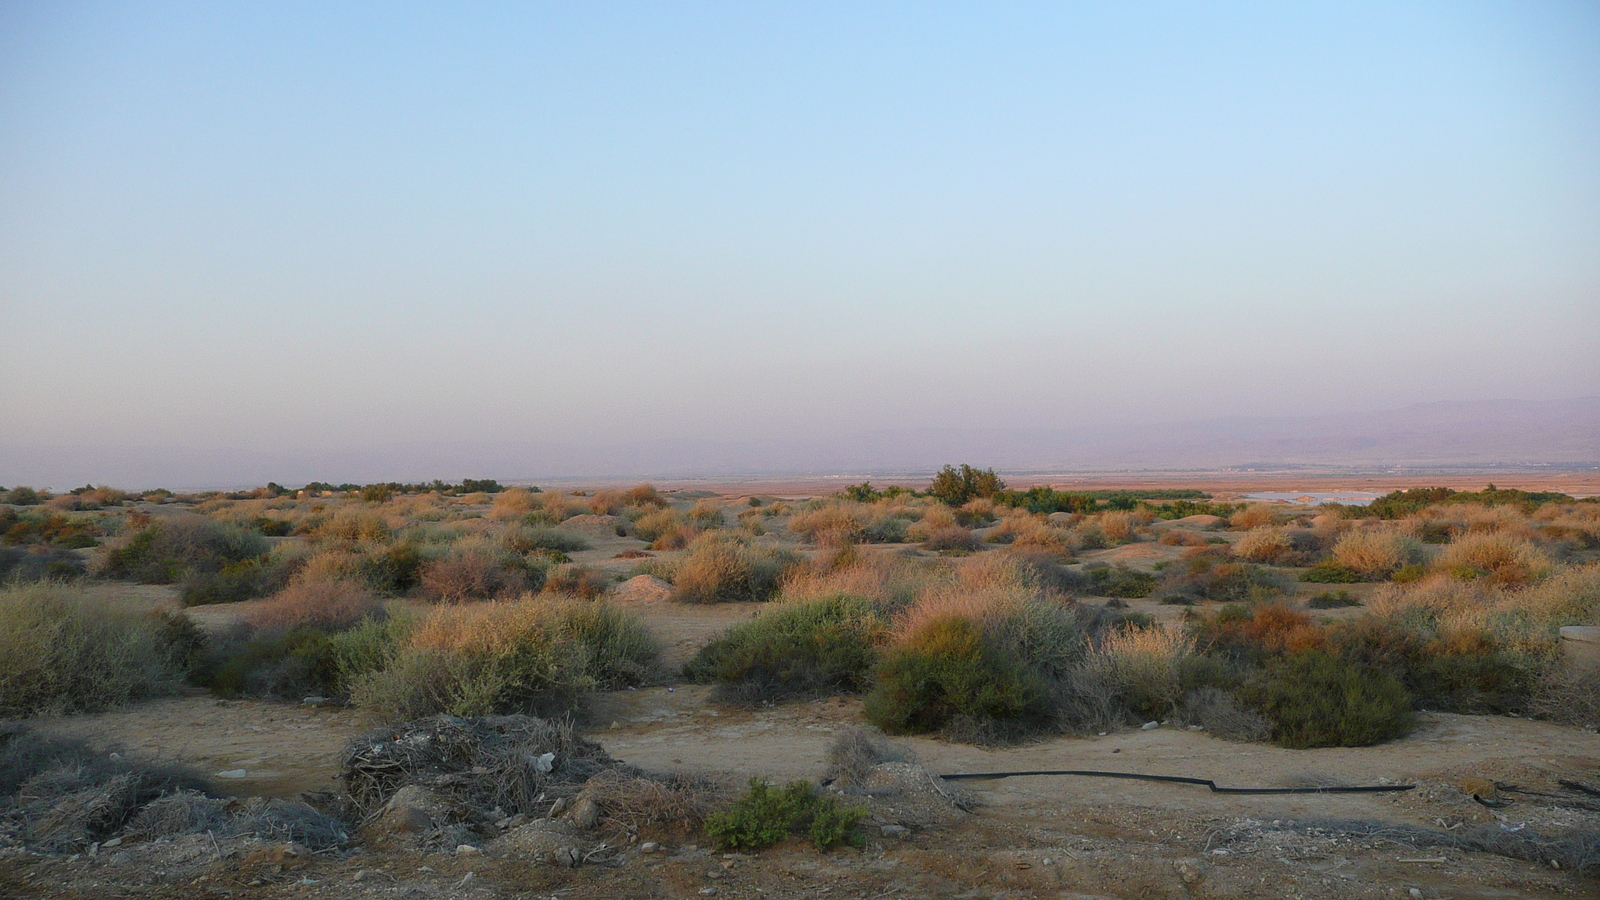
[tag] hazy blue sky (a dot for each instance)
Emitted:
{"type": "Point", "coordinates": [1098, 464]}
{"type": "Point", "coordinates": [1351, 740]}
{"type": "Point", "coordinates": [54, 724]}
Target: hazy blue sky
{"type": "Point", "coordinates": [295, 226]}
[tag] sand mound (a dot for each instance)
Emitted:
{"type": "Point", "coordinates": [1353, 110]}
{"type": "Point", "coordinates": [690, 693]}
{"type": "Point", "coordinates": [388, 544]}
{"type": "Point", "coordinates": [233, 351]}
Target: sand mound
{"type": "Point", "coordinates": [642, 589]}
{"type": "Point", "coordinates": [1200, 521]}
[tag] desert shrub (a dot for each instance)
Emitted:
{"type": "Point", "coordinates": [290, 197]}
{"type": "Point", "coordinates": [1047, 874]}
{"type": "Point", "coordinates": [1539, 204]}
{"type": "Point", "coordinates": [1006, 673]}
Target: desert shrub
{"type": "Point", "coordinates": [1329, 572]}
{"type": "Point", "coordinates": [764, 816]}
{"type": "Point", "coordinates": [20, 565]}
{"type": "Point", "coordinates": [719, 568]}
{"type": "Point", "coordinates": [1119, 581]}
{"type": "Point", "coordinates": [890, 583]}
{"type": "Point", "coordinates": [577, 581]}
{"type": "Point", "coordinates": [1143, 667]}
{"type": "Point", "coordinates": [1317, 699]}
{"type": "Point", "coordinates": [856, 751]}
{"type": "Point", "coordinates": [477, 572]}
{"type": "Point", "coordinates": [1500, 559]}
{"type": "Point", "coordinates": [1374, 555]}
{"type": "Point", "coordinates": [1256, 515]}
{"type": "Point", "coordinates": [528, 538]}
{"type": "Point", "coordinates": [54, 529]}
{"type": "Point", "coordinates": [288, 665]}
{"type": "Point", "coordinates": [975, 513]}
{"type": "Point", "coordinates": [1332, 600]}
{"type": "Point", "coordinates": [801, 648]}
{"type": "Point", "coordinates": [1119, 526]}
{"type": "Point", "coordinates": [1568, 694]}
{"type": "Point", "coordinates": [22, 496]}
{"type": "Point", "coordinates": [1205, 576]}
{"type": "Point", "coordinates": [956, 486]}
{"type": "Point", "coordinates": [952, 539]}
{"type": "Point", "coordinates": [948, 673]}
{"type": "Point", "coordinates": [1047, 569]}
{"type": "Point", "coordinates": [351, 526]}
{"type": "Point", "coordinates": [529, 655]}
{"type": "Point", "coordinates": [62, 651]}
{"type": "Point", "coordinates": [390, 568]}
{"type": "Point", "coordinates": [327, 605]}
{"type": "Point", "coordinates": [161, 552]}
{"type": "Point", "coordinates": [1221, 715]}
{"type": "Point", "coordinates": [1254, 634]}
{"type": "Point", "coordinates": [247, 579]}
{"type": "Point", "coordinates": [513, 503]}
{"type": "Point", "coordinates": [1264, 544]}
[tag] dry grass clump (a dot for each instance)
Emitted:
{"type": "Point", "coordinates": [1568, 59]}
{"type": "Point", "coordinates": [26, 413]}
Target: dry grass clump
{"type": "Point", "coordinates": [1255, 515]}
{"type": "Point", "coordinates": [934, 518]}
{"type": "Point", "coordinates": [630, 801]}
{"type": "Point", "coordinates": [1143, 666]}
{"type": "Point", "coordinates": [1501, 559]}
{"type": "Point", "coordinates": [64, 651]}
{"type": "Point", "coordinates": [533, 654]}
{"type": "Point", "coordinates": [162, 551]}
{"type": "Point", "coordinates": [513, 503]}
{"type": "Point", "coordinates": [1265, 544]}
{"type": "Point", "coordinates": [720, 568]}
{"type": "Point", "coordinates": [1375, 554]}
{"type": "Point", "coordinates": [952, 539]}
{"type": "Point", "coordinates": [352, 526]}
{"type": "Point", "coordinates": [328, 605]}
{"type": "Point", "coordinates": [1568, 694]}
{"type": "Point", "coordinates": [857, 751]}
{"type": "Point", "coordinates": [665, 529]}
{"type": "Point", "coordinates": [1120, 526]}
{"type": "Point", "coordinates": [577, 581]}
{"type": "Point", "coordinates": [889, 582]}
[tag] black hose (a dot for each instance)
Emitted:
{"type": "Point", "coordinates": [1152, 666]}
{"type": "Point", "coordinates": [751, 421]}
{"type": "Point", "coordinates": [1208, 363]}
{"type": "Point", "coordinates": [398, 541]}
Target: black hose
{"type": "Point", "coordinates": [1179, 779]}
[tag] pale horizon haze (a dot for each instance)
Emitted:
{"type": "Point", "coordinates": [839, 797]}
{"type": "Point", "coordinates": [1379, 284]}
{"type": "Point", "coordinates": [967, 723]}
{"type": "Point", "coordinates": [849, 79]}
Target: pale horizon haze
{"type": "Point", "coordinates": [322, 231]}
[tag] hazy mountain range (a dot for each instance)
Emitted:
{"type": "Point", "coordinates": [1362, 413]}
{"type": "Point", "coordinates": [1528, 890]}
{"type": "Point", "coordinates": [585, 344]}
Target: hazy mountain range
{"type": "Point", "coordinates": [1433, 435]}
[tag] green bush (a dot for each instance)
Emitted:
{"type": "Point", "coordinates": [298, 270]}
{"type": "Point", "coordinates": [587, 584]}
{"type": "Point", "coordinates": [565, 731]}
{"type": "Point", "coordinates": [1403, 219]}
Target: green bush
{"type": "Point", "coordinates": [22, 496]}
{"type": "Point", "coordinates": [763, 817]}
{"type": "Point", "coordinates": [1332, 600]}
{"type": "Point", "coordinates": [161, 552]}
{"type": "Point", "coordinates": [534, 536]}
{"type": "Point", "coordinates": [244, 580]}
{"type": "Point", "coordinates": [534, 655]}
{"type": "Point", "coordinates": [957, 486]}
{"type": "Point", "coordinates": [61, 651]}
{"type": "Point", "coordinates": [1317, 699]}
{"type": "Point", "coordinates": [1216, 579]}
{"type": "Point", "coordinates": [1330, 572]}
{"type": "Point", "coordinates": [38, 563]}
{"type": "Point", "coordinates": [796, 649]}
{"type": "Point", "coordinates": [949, 674]}
{"type": "Point", "coordinates": [1119, 581]}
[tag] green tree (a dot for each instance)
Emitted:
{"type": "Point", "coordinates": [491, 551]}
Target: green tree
{"type": "Point", "coordinates": [957, 486]}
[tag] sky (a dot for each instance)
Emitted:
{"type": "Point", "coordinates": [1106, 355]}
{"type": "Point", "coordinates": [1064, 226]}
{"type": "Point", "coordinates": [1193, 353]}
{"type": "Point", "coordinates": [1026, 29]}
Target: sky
{"type": "Point", "coordinates": [308, 227]}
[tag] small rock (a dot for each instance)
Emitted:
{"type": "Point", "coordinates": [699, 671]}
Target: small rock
{"type": "Point", "coordinates": [1188, 871]}
{"type": "Point", "coordinates": [893, 830]}
{"type": "Point", "coordinates": [232, 773]}
{"type": "Point", "coordinates": [649, 847]}
{"type": "Point", "coordinates": [713, 874]}
{"type": "Point", "coordinates": [466, 880]}
{"type": "Point", "coordinates": [361, 875]}
{"type": "Point", "coordinates": [1102, 734]}
{"type": "Point", "coordinates": [1150, 726]}
{"type": "Point", "coordinates": [314, 701]}
{"type": "Point", "coordinates": [1414, 892]}
{"type": "Point", "coordinates": [114, 842]}
{"type": "Point", "coordinates": [468, 850]}
{"type": "Point", "coordinates": [569, 857]}
{"type": "Point", "coordinates": [708, 892]}
{"type": "Point", "coordinates": [585, 814]}
{"type": "Point", "coordinates": [559, 807]}
{"type": "Point", "coordinates": [545, 762]}
{"type": "Point", "coordinates": [1197, 728]}
{"type": "Point", "coordinates": [114, 756]}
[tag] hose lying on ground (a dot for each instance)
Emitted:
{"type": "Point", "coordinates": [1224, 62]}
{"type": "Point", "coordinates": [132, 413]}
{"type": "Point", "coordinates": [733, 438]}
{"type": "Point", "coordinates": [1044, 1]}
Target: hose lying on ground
{"type": "Point", "coordinates": [1179, 779]}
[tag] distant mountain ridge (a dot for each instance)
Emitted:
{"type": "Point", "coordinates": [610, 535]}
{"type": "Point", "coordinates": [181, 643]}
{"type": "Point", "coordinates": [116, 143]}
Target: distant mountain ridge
{"type": "Point", "coordinates": [1447, 434]}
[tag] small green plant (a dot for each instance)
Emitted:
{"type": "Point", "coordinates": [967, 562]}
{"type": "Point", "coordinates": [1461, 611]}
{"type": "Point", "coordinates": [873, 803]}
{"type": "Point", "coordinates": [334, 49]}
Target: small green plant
{"type": "Point", "coordinates": [1332, 600]}
{"type": "Point", "coordinates": [764, 816]}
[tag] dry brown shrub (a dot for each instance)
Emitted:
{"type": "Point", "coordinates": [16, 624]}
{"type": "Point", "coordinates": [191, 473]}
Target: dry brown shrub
{"type": "Point", "coordinates": [653, 525]}
{"type": "Point", "coordinates": [631, 802]}
{"type": "Point", "coordinates": [330, 565]}
{"type": "Point", "coordinates": [1503, 560]}
{"type": "Point", "coordinates": [888, 582]}
{"type": "Point", "coordinates": [1178, 537]}
{"type": "Point", "coordinates": [1254, 516]}
{"type": "Point", "coordinates": [719, 568]}
{"type": "Point", "coordinates": [350, 526]}
{"type": "Point", "coordinates": [577, 581]}
{"type": "Point", "coordinates": [472, 574]}
{"type": "Point", "coordinates": [513, 503]}
{"type": "Point", "coordinates": [1265, 544]}
{"type": "Point", "coordinates": [1119, 526]}
{"type": "Point", "coordinates": [952, 538]}
{"type": "Point", "coordinates": [831, 524]}
{"type": "Point", "coordinates": [329, 605]}
{"type": "Point", "coordinates": [1375, 554]}
{"type": "Point", "coordinates": [1568, 694]}
{"type": "Point", "coordinates": [1144, 665]}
